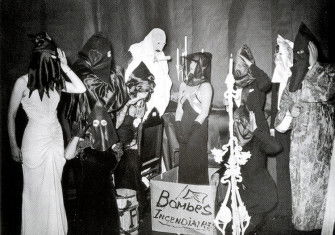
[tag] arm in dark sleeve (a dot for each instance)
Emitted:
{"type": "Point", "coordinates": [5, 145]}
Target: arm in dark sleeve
{"type": "Point", "coordinates": [262, 79]}
{"type": "Point", "coordinates": [111, 95]}
{"type": "Point", "coordinates": [114, 135]}
{"type": "Point", "coordinates": [268, 144]}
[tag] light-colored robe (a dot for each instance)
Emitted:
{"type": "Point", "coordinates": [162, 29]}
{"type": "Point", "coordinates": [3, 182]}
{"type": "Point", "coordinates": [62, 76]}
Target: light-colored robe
{"type": "Point", "coordinates": [311, 144]}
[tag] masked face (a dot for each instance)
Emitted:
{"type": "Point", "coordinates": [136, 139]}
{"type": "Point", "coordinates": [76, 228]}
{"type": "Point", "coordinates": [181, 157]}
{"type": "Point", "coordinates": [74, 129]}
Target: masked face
{"type": "Point", "coordinates": [284, 53]}
{"type": "Point", "coordinates": [241, 69]}
{"type": "Point", "coordinates": [97, 51]}
{"type": "Point", "coordinates": [197, 68]}
{"type": "Point", "coordinates": [158, 39]}
{"type": "Point", "coordinates": [102, 131]}
{"type": "Point", "coordinates": [283, 61]}
{"type": "Point", "coordinates": [300, 57]}
{"type": "Point", "coordinates": [141, 81]}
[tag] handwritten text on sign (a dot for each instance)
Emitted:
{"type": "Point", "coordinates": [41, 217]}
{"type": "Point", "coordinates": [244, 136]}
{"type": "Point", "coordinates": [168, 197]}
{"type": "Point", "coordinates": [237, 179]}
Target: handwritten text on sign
{"type": "Point", "coordinates": [182, 208]}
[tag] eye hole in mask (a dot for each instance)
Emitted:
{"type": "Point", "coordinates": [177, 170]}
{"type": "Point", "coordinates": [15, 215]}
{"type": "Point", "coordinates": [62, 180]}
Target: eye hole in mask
{"type": "Point", "coordinates": [96, 123]}
{"type": "Point", "coordinates": [103, 123]}
{"type": "Point", "coordinates": [300, 52]}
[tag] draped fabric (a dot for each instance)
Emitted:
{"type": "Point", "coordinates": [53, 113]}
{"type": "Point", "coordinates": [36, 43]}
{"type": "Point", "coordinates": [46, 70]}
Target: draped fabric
{"type": "Point", "coordinates": [219, 27]}
{"type": "Point", "coordinates": [329, 217]}
{"type": "Point", "coordinates": [312, 138]}
{"type": "Point", "coordinates": [43, 209]}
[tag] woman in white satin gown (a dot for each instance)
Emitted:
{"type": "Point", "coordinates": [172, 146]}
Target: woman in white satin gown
{"type": "Point", "coordinates": [42, 150]}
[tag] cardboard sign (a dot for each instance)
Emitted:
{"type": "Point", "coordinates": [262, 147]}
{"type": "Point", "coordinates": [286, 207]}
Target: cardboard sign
{"type": "Point", "coordinates": [181, 208]}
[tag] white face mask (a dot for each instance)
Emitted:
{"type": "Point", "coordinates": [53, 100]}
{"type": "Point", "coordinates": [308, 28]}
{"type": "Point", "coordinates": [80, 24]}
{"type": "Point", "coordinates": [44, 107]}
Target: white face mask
{"type": "Point", "coordinates": [284, 62]}
{"type": "Point", "coordinates": [158, 40]}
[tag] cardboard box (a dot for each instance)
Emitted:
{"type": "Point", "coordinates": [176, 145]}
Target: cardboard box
{"type": "Point", "coordinates": [181, 208]}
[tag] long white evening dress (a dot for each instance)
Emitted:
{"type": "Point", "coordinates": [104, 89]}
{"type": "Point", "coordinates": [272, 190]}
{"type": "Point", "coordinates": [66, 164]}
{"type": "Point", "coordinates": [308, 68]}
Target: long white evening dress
{"type": "Point", "coordinates": [43, 211]}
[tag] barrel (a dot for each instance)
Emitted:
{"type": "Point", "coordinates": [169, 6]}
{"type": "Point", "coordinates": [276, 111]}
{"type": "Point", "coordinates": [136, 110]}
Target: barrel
{"type": "Point", "coordinates": [128, 210]}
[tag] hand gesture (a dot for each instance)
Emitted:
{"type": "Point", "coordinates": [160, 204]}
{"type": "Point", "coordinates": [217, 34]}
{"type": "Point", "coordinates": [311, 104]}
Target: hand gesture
{"type": "Point", "coordinates": [16, 154]}
{"type": "Point", "coordinates": [313, 53]}
{"type": "Point", "coordinates": [62, 57]}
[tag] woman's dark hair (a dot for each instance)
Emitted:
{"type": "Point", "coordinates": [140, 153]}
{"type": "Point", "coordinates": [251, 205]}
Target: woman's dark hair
{"type": "Point", "coordinates": [44, 72]}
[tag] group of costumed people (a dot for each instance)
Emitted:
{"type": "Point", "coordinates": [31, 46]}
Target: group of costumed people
{"type": "Point", "coordinates": [104, 119]}
{"type": "Point", "coordinates": [300, 134]}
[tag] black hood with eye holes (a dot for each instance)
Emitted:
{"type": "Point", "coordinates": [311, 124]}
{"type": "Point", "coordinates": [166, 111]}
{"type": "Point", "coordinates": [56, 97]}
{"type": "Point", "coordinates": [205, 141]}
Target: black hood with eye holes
{"type": "Point", "coordinates": [94, 55]}
{"type": "Point", "coordinates": [301, 56]}
{"type": "Point", "coordinates": [102, 131]}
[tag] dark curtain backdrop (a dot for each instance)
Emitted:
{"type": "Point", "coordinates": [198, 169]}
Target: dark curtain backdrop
{"type": "Point", "coordinates": [217, 26]}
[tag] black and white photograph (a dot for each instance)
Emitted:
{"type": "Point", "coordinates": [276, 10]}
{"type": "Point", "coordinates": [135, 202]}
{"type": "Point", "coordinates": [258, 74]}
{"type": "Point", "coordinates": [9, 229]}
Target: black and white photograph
{"type": "Point", "coordinates": [140, 117]}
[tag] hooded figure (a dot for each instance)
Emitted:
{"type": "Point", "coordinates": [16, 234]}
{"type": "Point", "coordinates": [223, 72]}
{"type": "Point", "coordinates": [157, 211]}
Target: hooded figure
{"type": "Point", "coordinates": [44, 69]}
{"type": "Point", "coordinates": [104, 83]}
{"type": "Point", "coordinates": [306, 101]}
{"type": "Point", "coordinates": [201, 71]}
{"type": "Point", "coordinates": [301, 56]}
{"type": "Point", "coordinates": [106, 93]}
{"type": "Point", "coordinates": [258, 190]}
{"type": "Point", "coordinates": [150, 52]}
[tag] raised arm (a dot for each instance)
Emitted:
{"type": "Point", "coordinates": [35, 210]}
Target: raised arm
{"type": "Point", "coordinates": [15, 100]}
{"type": "Point", "coordinates": [122, 113]}
{"type": "Point", "coordinates": [205, 96]}
{"type": "Point", "coordinates": [76, 85]}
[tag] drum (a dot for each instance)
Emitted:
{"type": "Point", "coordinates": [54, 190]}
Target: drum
{"type": "Point", "coordinates": [128, 211]}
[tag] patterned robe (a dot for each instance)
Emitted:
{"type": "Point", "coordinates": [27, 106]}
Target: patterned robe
{"type": "Point", "coordinates": [311, 144]}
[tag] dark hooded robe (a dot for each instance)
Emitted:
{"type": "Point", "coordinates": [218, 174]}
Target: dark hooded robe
{"type": "Point", "coordinates": [312, 132]}
{"type": "Point", "coordinates": [106, 93]}
{"type": "Point", "coordinates": [257, 190]}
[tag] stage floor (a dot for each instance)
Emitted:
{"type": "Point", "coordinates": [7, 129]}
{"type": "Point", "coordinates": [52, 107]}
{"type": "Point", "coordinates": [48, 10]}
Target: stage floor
{"type": "Point", "coordinates": [272, 226]}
